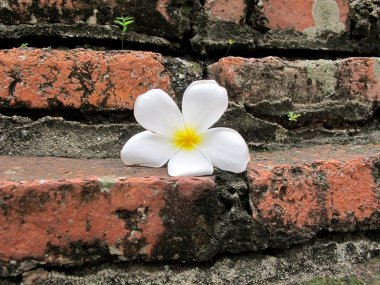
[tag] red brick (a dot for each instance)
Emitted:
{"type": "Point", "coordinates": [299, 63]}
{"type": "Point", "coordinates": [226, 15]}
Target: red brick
{"type": "Point", "coordinates": [337, 191]}
{"type": "Point", "coordinates": [40, 215]}
{"type": "Point", "coordinates": [42, 79]}
{"type": "Point", "coordinates": [52, 208]}
{"type": "Point", "coordinates": [290, 14]}
{"type": "Point", "coordinates": [227, 11]}
{"type": "Point", "coordinates": [303, 15]}
{"type": "Point", "coordinates": [291, 197]}
{"type": "Point", "coordinates": [252, 80]}
{"type": "Point", "coordinates": [352, 191]}
{"type": "Point", "coordinates": [361, 77]}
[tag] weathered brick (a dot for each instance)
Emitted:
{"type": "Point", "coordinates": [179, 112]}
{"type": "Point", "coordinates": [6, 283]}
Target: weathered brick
{"type": "Point", "coordinates": [81, 79]}
{"type": "Point", "coordinates": [233, 11]}
{"type": "Point", "coordinates": [48, 220]}
{"type": "Point", "coordinates": [324, 25]}
{"type": "Point", "coordinates": [309, 16]}
{"type": "Point", "coordinates": [68, 211]}
{"type": "Point", "coordinates": [360, 78]}
{"type": "Point", "coordinates": [352, 198]}
{"type": "Point", "coordinates": [251, 80]}
{"type": "Point", "coordinates": [321, 90]}
{"type": "Point", "coordinates": [152, 17]}
{"type": "Point", "coordinates": [287, 196]}
{"type": "Point", "coordinates": [335, 25]}
{"type": "Point", "coordinates": [301, 199]}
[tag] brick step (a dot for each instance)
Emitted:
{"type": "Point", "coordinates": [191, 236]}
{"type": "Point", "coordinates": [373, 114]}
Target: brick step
{"type": "Point", "coordinates": [95, 91]}
{"type": "Point", "coordinates": [97, 80]}
{"type": "Point", "coordinates": [350, 26]}
{"type": "Point", "coordinates": [338, 259]}
{"type": "Point", "coordinates": [60, 211]}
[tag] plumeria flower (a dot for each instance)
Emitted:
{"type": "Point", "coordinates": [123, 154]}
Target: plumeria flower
{"type": "Point", "coordinates": [184, 139]}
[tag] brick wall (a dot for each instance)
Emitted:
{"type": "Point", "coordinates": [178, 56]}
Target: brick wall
{"type": "Point", "coordinates": [66, 109]}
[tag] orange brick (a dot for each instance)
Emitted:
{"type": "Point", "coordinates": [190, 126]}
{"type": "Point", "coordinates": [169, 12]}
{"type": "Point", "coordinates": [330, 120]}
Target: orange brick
{"type": "Point", "coordinates": [339, 194]}
{"type": "Point", "coordinates": [124, 217]}
{"type": "Point", "coordinates": [351, 196]}
{"type": "Point", "coordinates": [82, 79]}
{"type": "Point", "coordinates": [58, 211]}
{"type": "Point", "coordinates": [288, 196]}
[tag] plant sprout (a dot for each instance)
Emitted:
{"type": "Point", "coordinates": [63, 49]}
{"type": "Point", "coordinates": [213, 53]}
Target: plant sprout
{"type": "Point", "coordinates": [123, 22]}
{"type": "Point", "coordinates": [24, 45]}
{"type": "Point", "coordinates": [293, 116]}
{"type": "Point", "coordinates": [230, 43]}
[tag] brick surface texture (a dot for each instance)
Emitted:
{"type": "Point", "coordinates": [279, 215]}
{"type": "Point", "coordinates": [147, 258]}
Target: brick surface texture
{"type": "Point", "coordinates": [79, 79]}
{"type": "Point", "coordinates": [253, 80]}
{"type": "Point", "coordinates": [233, 11]}
{"type": "Point", "coordinates": [54, 215]}
{"type": "Point", "coordinates": [304, 15]}
{"type": "Point", "coordinates": [144, 214]}
{"type": "Point", "coordinates": [82, 79]}
{"type": "Point", "coordinates": [310, 24]}
{"type": "Point", "coordinates": [329, 195]}
{"type": "Point", "coordinates": [79, 102]}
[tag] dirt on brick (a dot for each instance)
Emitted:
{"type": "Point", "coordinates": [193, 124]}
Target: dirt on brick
{"type": "Point", "coordinates": [342, 259]}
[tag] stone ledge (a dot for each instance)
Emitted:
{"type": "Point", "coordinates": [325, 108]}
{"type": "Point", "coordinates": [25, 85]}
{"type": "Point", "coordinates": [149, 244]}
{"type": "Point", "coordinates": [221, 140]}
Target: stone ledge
{"type": "Point", "coordinates": [69, 212]}
{"type": "Point", "coordinates": [332, 260]}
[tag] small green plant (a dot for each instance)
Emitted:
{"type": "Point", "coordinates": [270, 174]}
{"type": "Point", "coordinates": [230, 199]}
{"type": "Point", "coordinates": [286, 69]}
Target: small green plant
{"type": "Point", "coordinates": [293, 116]}
{"type": "Point", "coordinates": [24, 45]}
{"type": "Point", "coordinates": [230, 43]}
{"type": "Point", "coordinates": [123, 22]}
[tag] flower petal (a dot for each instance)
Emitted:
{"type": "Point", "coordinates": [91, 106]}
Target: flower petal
{"type": "Point", "coordinates": [157, 112]}
{"type": "Point", "coordinates": [189, 163]}
{"type": "Point", "coordinates": [203, 103]}
{"type": "Point", "coordinates": [226, 149]}
{"type": "Point", "coordinates": [147, 149]}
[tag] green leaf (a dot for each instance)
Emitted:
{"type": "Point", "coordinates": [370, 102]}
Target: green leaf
{"type": "Point", "coordinates": [293, 116]}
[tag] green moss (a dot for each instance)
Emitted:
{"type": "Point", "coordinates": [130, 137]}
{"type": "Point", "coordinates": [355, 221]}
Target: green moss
{"type": "Point", "coordinates": [106, 184]}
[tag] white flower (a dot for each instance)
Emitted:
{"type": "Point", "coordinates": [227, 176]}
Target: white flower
{"type": "Point", "coordinates": [185, 140]}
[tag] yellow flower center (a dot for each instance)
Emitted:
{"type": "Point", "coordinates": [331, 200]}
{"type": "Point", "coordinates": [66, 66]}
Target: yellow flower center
{"type": "Point", "coordinates": [186, 138]}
